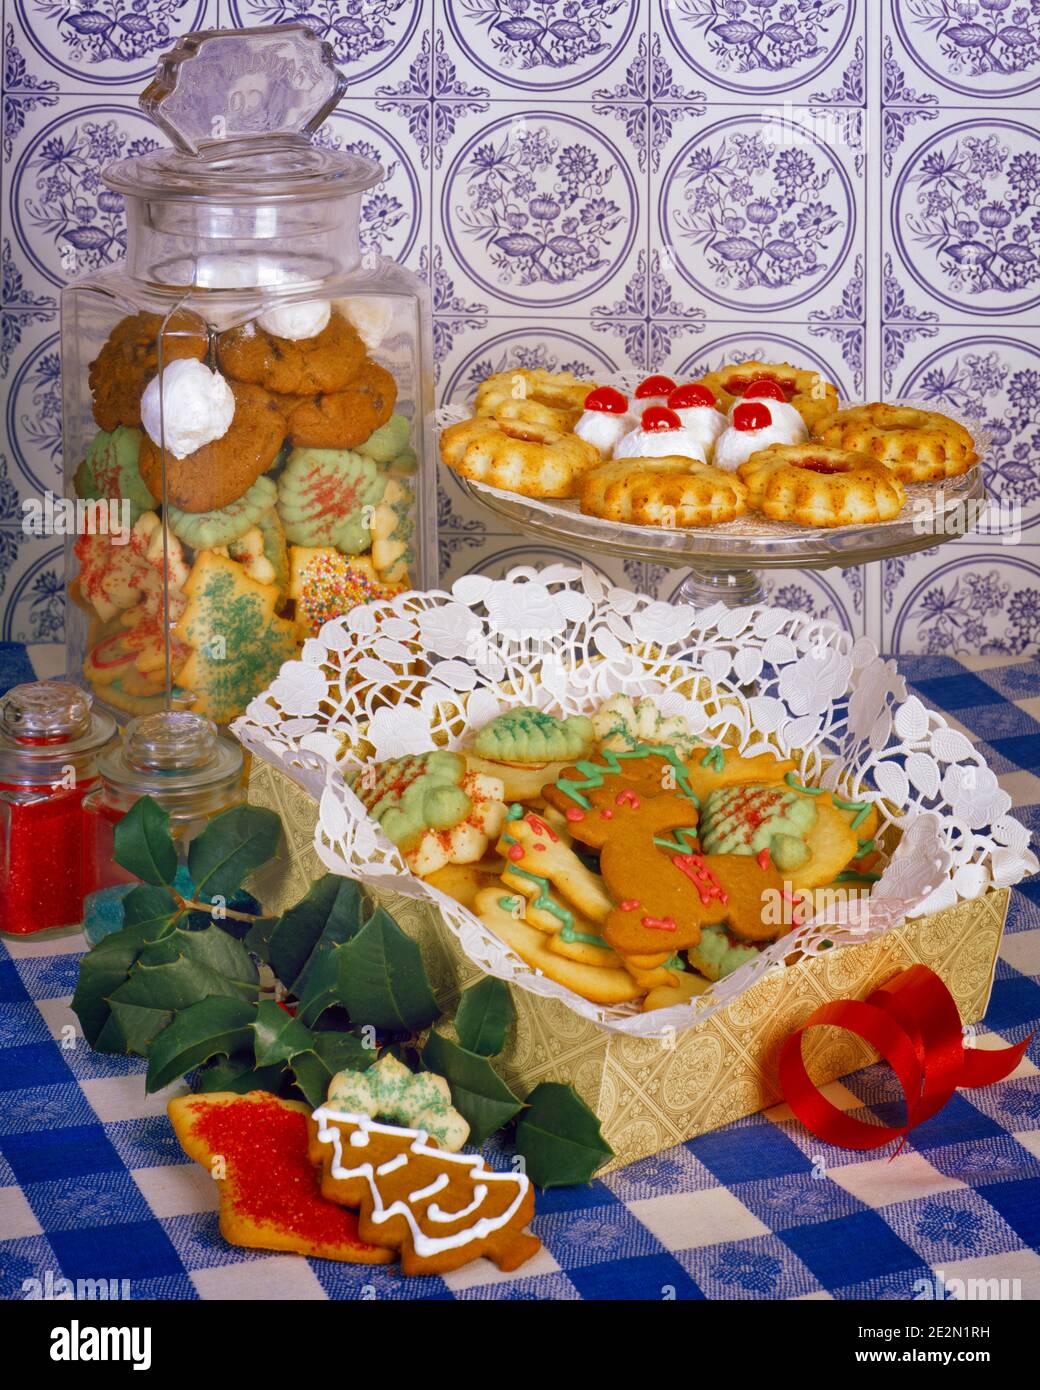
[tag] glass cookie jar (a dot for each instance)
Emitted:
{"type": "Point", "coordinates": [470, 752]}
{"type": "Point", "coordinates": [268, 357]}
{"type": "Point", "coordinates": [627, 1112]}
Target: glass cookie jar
{"type": "Point", "coordinates": [247, 397]}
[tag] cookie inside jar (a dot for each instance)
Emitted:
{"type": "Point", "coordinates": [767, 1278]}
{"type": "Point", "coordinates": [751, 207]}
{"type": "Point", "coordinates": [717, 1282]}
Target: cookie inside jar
{"type": "Point", "coordinates": [251, 391]}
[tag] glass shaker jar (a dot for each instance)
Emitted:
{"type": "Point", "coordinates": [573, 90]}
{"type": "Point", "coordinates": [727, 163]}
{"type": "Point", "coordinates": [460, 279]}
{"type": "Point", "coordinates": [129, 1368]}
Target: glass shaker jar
{"type": "Point", "coordinates": [177, 758]}
{"type": "Point", "coordinates": [247, 398]}
{"type": "Point", "coordinates": [50, 739]}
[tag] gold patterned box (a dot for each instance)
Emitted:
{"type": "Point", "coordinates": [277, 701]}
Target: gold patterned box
{"type": "Point", "coordinates": [651, 1093]}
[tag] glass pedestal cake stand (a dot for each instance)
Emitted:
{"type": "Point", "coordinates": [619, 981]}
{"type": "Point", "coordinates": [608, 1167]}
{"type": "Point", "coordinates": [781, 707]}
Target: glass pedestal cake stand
{"type": "Point", "coordinates": [726, 562]}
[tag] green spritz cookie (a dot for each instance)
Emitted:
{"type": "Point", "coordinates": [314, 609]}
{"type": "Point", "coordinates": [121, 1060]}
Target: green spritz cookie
{"type": "Point", "coordinates": [718, 954]}
{"type": "Point", "coordinates": [387, 442]}
{"type": "Point", "coordinates": [327, 496]}
{"type": "Point", "coordinates": [109, 470]}
{"type": "Point", "coordinates": [748, 820]}
{"type": "Point", "coordinates": [529, 735]}
{"type": "Point", "coordinates": [204, 530]}
{"type": "Point", "coordinates": [388, 1091]}
{"type": "Point", "coordinates": [411, 795]}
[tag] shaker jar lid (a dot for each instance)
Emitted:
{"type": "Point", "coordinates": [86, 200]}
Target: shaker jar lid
{"type": "Point", "coordinates": [174, 754]}
{"type": "Point", "coordinates": [46, 726]}
{"type": "Point", "coordinates": [240, 106]}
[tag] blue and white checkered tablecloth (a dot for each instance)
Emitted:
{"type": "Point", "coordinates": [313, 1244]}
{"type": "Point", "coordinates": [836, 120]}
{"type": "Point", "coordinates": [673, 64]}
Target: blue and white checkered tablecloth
{"type": "Point", "coordinates": [93, 1183]}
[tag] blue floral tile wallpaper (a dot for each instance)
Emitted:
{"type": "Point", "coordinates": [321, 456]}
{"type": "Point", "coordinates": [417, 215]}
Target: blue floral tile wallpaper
{"type": "Point", "coordinates": [613, 185]}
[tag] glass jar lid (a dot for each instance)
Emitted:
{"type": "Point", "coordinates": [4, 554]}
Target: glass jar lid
{"type": "Point", "coordinates": [178, 758]}
{"type": "Point", "coordinates": [47, 727]}
{"type": "Point", "coordinates": [240, 106]}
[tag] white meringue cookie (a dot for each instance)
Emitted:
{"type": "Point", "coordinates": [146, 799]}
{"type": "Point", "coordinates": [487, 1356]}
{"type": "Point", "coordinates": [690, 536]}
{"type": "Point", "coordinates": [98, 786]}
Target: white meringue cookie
{"type": "Point", "coordinates": [600, 428]}
{"type": "Point", "coordinates": [783, 414]}
{"type": "Point", "coordinates": [704, 422]}
{"type": "Point", "coordinates": [197, 407]}
{"type": "Point", "coordinates": [297, 321]}
{"type": "Point", "coordinates": [371, 315]}
{"type": "Point", "coordinates": [735, 447]}
{"type": "Point", "coordinates": [651, 444]}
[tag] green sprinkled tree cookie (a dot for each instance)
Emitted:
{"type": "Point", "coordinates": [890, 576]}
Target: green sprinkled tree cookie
{"type": "Point", "coordinates": [529, 735]}
{"type": "Point", "coordinates": [327, 496]}
{"type": "Point", "coordinates": [752, 819]}
{"type": "Point", "coordinates": [109, 470]}
{"type": "Point", "coordinates": [388, 1091]}
{"type": "Point", "coordinates": [385, 443]}
{"type": "Point", "coordinates": [204, 530]}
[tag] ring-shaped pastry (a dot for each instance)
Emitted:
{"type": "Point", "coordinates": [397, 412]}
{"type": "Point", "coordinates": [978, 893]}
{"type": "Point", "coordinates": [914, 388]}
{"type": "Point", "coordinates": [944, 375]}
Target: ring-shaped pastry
{"type": "Point", "coordinates": [820, 485]}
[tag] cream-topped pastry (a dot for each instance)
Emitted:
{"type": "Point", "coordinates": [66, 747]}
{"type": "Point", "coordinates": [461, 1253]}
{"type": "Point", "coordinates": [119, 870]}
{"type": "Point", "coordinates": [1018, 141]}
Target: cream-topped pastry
{"type": "Point", "coordinates": [695, 406]}
{"type": "Point", "coordinates": [783, 413]}
{"type": "Point", "coordinates": [752, 428]}
{"type": "Point", "coordinates": [652, 390]}
{"type": "Point", "coordinates": [660, 434]}
{"type": "Point", "coordinates": [605, 420]}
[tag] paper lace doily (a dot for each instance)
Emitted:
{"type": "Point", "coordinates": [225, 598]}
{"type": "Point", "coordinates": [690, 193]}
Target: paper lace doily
{"type": "Point", "coordinates": [424, 670]}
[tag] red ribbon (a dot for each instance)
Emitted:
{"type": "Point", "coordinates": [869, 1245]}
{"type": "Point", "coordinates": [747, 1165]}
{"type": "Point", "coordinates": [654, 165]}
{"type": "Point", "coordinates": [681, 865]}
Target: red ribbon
{"type": "Point", "coordinates": [912, 1021]}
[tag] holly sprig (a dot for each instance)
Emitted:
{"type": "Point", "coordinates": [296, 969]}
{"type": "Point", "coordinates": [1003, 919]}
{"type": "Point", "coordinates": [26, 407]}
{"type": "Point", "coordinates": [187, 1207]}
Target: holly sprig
{"type": "Point", "coordinates": [180, 984]}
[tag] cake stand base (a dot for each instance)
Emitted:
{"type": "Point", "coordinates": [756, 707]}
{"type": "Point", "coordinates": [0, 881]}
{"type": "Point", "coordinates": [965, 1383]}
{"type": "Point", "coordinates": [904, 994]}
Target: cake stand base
{"type": "Point", "coordinates": [735, 588]}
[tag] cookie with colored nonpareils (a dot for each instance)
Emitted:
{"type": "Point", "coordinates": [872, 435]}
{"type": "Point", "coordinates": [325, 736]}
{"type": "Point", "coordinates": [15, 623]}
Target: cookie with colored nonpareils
{"type": "Point", "coordinates": [324, 585]}
{"type": "Point", "coordinates": [440, 1210]}
{"type": "Point", "coordinates": [256, 1147]}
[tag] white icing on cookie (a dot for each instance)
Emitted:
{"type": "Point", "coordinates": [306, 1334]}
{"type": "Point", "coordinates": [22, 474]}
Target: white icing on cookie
{"type": "Point", "coordinates": [425, 1245]}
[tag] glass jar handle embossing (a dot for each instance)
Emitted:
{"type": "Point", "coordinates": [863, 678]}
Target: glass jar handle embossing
{"type": "Point", "coordinates": [274, 83]}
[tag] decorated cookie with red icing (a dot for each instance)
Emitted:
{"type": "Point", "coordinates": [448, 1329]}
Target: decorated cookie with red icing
{"type": "Point", "coordinates": [256, 1148]}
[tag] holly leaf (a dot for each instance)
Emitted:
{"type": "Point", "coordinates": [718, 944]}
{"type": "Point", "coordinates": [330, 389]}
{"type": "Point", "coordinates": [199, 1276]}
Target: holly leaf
{"type": "Point", "coordinates": [234, 843]}
{"type": "Point", "coordinates": [329, 915]}
{"type": "Point", "coordinates": [382, 979]}
{"type": "Point", "coordinates": [278, 1036]}
{"type": "Point", "coordinates": [209, 1028]}
{"type": "Point", "coordinates": [143, 844]}
{"type": "Point", "coordinates": [257, 939]}
{"type": "Point", "coordinates": [149, 906]}
{"type": "Point", "coordinates": [174, 973]}
{"type": "Point", "coordinates": [101, 972]}
{"type": "Point", "coordinates": [213, 949]}
{"type": "Point", "coordinates": [559, 1137]}
{"type": "Point", "coordinates": [241, 1074]}
{"type": "Point", "coordinates": [321, 989]}
{"type": "Point", "coordinates": [483, 1017]}
{"type": "Point", "coordinates": [477, 1091]}
{"type": "Point", "coordinates": [332, 1052]}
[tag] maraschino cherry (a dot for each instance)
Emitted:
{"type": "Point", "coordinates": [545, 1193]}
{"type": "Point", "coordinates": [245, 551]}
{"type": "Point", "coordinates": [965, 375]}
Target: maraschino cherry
{"type": "Point", "coordinates": [654, 386]}
{"type": "Point", "coordinates": [606, 399]}
{"type": "Point", "coordinates": [690, 396]}
{"type": "Point", "coordinates": [658, 418]}
{"type": "Point", "coordinates": [764, 390]}
{"type": "Point", "coordinates": [749, 415]}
